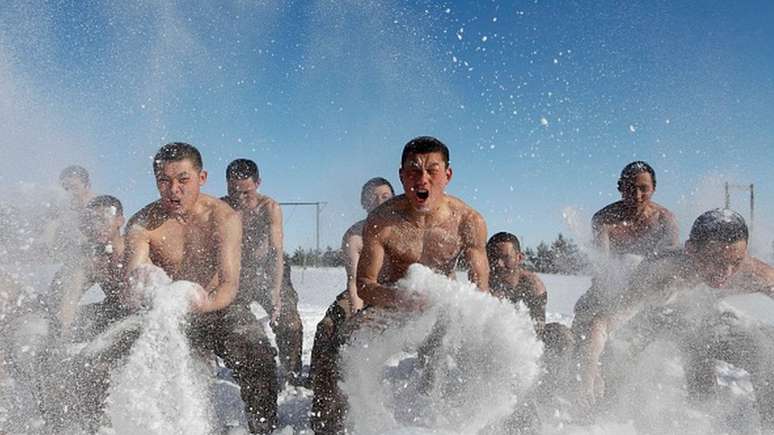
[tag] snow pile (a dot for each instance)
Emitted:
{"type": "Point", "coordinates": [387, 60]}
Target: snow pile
{"type": "Point", "coordinates": [484, 361]}
{"type": "Point", "coordinates": [162, 388]}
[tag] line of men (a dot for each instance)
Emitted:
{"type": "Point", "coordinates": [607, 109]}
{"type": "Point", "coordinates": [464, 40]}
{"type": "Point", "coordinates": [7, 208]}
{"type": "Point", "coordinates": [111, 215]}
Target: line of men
{"type": "Point", "coordinates": [233, 250]}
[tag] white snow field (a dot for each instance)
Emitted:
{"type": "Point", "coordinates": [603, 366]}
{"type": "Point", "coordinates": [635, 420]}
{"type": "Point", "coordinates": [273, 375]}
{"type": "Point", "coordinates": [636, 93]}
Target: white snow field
{"type": "Point", "coordinates": [653, 401]}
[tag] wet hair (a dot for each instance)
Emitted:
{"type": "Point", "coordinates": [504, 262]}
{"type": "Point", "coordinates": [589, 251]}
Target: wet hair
{"type": "Point", "coordinates": [501, 237]}
{"type": "Point", "coordinates": [175, 152]}
{"type": "Point", "coordinates": [424, 145]}
{"type": "Point", "coordinates": [106, 201]}
{"type": "Point", "coordinates": [242, 169]}
{"type": "Point", "coordinates": [75, 171]}
{"type": "Point", "coordinates": [719, 225]}
{"type": "Point", "coordinates": [633, 169]}
{"type": "Point", "coordinates": [372, 184]}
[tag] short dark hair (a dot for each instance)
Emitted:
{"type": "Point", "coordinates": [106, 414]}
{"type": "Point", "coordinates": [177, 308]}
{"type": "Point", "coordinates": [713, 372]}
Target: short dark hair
{"type": "Point", "coordinates": [424, 145]}
{"type": "Point", "coordinates": [719, 225]}
{"type": "Point", "coordinates": [75, 171]}
{"type": "Point", "coordinates": [633, 169]}
{"type": "Point", "coordinates": [501, 237]}
{"type": "Point", "coordinates": [175, 152]}
{"type": "Point", "coordinates": [106, 201]}
{"type": "Point", "coordinates": [372, 184]}
{"type": "Point", "coordinates": [241, 169]}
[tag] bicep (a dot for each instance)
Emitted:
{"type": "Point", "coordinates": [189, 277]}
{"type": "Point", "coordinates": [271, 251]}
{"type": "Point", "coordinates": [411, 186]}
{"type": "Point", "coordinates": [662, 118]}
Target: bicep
{"type": "Point", "coordinates": [600, 232]}
{"type": "Point", "coordinates": [231, 249]}
{"type": "Point", "coordinates": [672, 231]}
{"type": "Point", "coordinates": [351, 246]}
{"type": "Point", "coordinates": [474, 236]}
{"type": "Point", "coordinates": [137, 248]}
{"type": "Point", "coordinates": [371, 259]}
{"type": "Point", "coordinates": [276, 227]}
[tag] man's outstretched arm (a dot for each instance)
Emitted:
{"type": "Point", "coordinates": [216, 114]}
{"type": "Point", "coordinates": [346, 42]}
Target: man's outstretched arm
{"type": "Point", "coordinates": [474, 249]}
{"type": "Point", "coordinates": [276, 258]}
{"type": "Point", "coordinates": [228, 238]}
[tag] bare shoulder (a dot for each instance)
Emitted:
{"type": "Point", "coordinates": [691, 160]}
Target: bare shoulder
{"type": "Point", "coordinates": [356, 230]}
{"type": "Point", "coordinates": [663, 213]}
{"type": "Point", "coordinates": [468, 214]}
{"type": "Point", "coordinates": [221, 210]}
{"type": "Point", "coordinates": [269, 203]}
{"type": "Point", "coordinates": [609, 214]}
{"type": "Point", "coordinates": [391, 212]}
{"type": "Point", "coordinates": [763, 272]}
{"type": "Point", "coordinates": [384, 218]}
{"type": "Point", "coordinates": [147, 218]}
{"type": "Point", "coordinates": [533, 281]}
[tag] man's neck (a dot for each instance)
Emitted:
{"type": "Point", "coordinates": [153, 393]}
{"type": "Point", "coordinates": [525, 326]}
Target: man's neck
{"type": "Point", "coordinates": [426, 218]}
{"type": "Point", "coordinates": [507, 274]}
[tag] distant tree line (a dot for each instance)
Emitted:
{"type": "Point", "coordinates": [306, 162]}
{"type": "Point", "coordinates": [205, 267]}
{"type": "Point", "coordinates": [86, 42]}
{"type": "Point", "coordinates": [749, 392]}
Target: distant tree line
{"type": "Point", "coordinates": [312, 257]}
{"type": "Point", "coordinates": [562, 256]}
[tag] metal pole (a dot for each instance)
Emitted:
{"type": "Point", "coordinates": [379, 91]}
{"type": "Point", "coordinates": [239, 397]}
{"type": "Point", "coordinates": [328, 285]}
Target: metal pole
{"type": "Point", "coordinates": [752, 208]}
{"type": "Point", "coordinates": [728, 197]}
{"type": "Point", "coordinates": [317, 226]}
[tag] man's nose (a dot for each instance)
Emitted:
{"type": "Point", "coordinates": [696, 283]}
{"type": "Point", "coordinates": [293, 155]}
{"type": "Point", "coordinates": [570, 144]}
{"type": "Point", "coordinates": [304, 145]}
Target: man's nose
{"type": "Point", "coordinates": [176, 186]}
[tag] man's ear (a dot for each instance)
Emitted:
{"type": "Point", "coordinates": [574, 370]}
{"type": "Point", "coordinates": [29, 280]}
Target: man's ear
{"type": "Point", "coordinates": [400, 174]}
{"type": "Point", "coordinates": [202, 177]}
{"type": "Point", "coordinates": [519, 257]}
{"type": "Point", "coordinates": [258, 183]}
{"type": "Point", "coordinates": [448, 174]}
{"type": "Point", "coordinates": [121, 221]}
{"type": "Point", "coordinates": [620, 186]}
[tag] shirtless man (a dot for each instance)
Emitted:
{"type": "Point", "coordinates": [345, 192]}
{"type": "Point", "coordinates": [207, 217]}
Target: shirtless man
{"type": "Point", "coordinates": [75, 181]}
{"type": "Point", "coordinates": [424, 225]}
{"type": "Point", "coordinates": [324, 353]}
{"type": "Point", "coordinates": [635, 224]}
{"type": "Point", "coordinates": [56, 378]}
{"type": "Point", "coordinates": [511, 282]}
{"type": "Point", "coordinates": [715, 259]}
{"type": "Point", "coordinates": [61, 234]}
{"type": "Point", "coordinates": [262, 279]}
{"type": "Point", "coordinates": [625, 232]}
{"type": "Point", "coordinates": [102, 262]}
{"type": "Point", "coordinates": [196, 237]}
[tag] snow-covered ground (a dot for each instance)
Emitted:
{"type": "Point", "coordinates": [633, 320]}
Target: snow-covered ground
{"type": "Point", "coordinates": [655, 402]}
{"type": "Point", "coordinates": [317, 289]}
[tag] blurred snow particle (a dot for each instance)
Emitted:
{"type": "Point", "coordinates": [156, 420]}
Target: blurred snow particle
{"type": "Point", "coordinates": [543, 121]}
{"type": "Point", "coordinates": [632, 129]}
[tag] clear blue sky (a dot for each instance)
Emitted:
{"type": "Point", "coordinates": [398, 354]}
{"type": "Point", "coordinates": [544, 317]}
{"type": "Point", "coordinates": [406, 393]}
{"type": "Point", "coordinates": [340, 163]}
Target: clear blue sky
{"type": "Point", "coordinates": [541, 102]}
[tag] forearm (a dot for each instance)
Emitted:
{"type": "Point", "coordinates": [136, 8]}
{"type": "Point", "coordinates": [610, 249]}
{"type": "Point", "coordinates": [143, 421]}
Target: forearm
{"type": "Point", "coordinates": [277, 277]}
{"type": "Point", "coordinates": [374, 294]}
{"type": "Point", "coordinates": [220, 298]}
{"type": "Point", "coordinates": [592, 347]}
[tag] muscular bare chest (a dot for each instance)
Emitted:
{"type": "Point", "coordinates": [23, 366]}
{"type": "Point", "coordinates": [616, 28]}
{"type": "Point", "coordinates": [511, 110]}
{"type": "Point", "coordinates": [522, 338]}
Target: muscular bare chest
{"type": "Point", "coordinates": [185, 251]}
{"type": "Point", "coordinates": [255, 235]}
{"type": "Point", "coordinates": [633, 237]}
{"type": "Point", "coordinates": [437, 248]}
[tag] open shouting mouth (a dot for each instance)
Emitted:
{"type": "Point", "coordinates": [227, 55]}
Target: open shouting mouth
{"type": "Point", "coordinates": [422, 194]}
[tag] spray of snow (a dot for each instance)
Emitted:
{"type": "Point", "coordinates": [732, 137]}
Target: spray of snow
{"type": "Point", "coordinates": [163, 388]}
{"type": "Point", "coordinates": [483, 364]}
